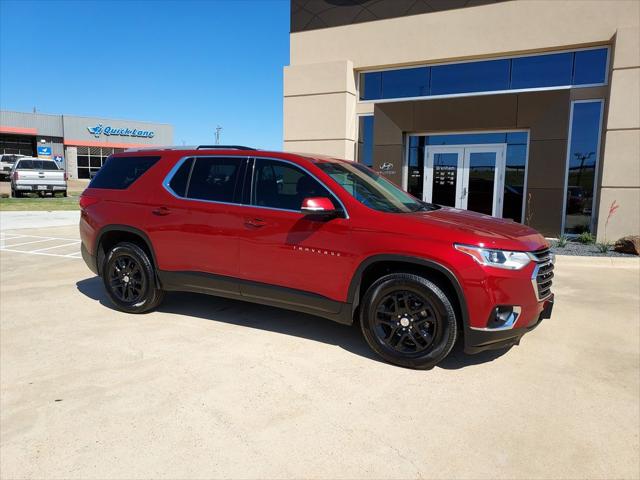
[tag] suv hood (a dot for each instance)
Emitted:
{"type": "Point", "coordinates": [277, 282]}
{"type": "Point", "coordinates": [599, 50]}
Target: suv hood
{"type": "Point", "coordinates": [464, 226]}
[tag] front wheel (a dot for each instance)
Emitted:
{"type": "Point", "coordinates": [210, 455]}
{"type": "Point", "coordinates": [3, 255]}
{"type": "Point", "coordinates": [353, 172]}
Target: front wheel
{"type": "Point", "coordinates": [129, 279]}
{"type": "Point", "coordinates": [408, 320]}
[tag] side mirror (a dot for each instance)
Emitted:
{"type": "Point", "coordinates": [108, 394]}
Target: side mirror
{"type": "Point", "coordinates": [319, 206]}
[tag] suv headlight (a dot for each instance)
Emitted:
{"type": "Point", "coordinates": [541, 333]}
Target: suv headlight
{"type": "Point", "coordinates": [496, 258]}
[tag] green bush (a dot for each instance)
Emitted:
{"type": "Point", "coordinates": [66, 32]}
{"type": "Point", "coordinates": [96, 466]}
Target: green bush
{"type": "Point", "coordinates": [603, 247]}
{"type": "Point", "coordinates": [562, 241]}
{"type": "Point", "coordinates": [587, 238]}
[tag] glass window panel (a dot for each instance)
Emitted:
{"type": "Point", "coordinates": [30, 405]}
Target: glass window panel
{"type": "Point", "coordinates": [482, 173]}
{"type": "Point", "coordinates": [514, 181]}
{"type": "Point", "coordinates": [445, 174]}
{"type": "Point", "coordinates": [83, 161]}
{"type": "Point", "coordinates": [405, 82]}
{"type": "Point", "coordinates": [120, 172]}
{"type": "Point", "coordinates": [95, 162]}
{"type": "Point", "coordinates": [179, 181]}
{"type": "Point", "coordinates": [83, 172]}
{"type": "Point", "coordinates": [517, 138]}
{"type": "Point", "coordinates": [214, 179]}
{"type": "Point", "coordinates": [466, 139]}
{"type": "Point", "coordinates": [542, 71]}
{"type": "Point", "coordinates": [281, 185]}
{"type": "Point", "coordinates": [365, 140]}
{"type": "Point", "coordinates": [583, 152]}
{"type": "Point", "coordinates": [590, 67]}
{"type": "Point", "coordinates": [470, 77]}
{"type": "Point", "coordinates": [371, 86]}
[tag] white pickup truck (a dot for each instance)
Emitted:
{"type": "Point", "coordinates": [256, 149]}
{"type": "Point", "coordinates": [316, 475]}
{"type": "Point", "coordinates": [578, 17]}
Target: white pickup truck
{"type": "Point", "coordinates": [37, 175]}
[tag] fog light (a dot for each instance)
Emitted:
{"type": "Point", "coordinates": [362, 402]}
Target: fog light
{"type": "Point", "coordinates": [504, 317]}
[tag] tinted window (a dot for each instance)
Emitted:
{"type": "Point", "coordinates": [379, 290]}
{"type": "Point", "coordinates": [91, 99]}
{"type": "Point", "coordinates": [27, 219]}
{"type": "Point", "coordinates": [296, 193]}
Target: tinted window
{"type": "Point", "coordinates": [590, 67]}
{"type": "Point", "coordinates": [37, 165]}
{"type": "Point", "coordinates": [120, 172]}
{"type": "Point", "coordinates": [542, 71]}
{"type": "Point", "coordinates": [470, 77]}
{"type": "Point", "coordinates": [371, 86]}
{"type": "Point", "coordinates": [583, 156]}
{"type": "Point", "coordinates": [178, 182]}
{"type": "Point", "coordinates": [365, 140]}
{"type": "Point", "coordinates": [282, 185]}
{"type": "Point", "coordinates": [214, 179]}
{"type": "Point", "coordinates": [405, 82]}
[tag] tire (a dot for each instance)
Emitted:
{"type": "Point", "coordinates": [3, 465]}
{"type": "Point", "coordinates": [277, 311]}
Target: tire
{"type": "Point", "coordinates": [408, 320]}
{"type": "Point", "coordinates": [16, 194]}
{"type": "Point", "coordinates": [64, 193]}
{"type": "Point", "coordinates": [129, 279]}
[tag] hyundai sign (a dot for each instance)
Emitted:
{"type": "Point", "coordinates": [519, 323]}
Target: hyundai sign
{"type": "Point", "coordinates": [120, 132]}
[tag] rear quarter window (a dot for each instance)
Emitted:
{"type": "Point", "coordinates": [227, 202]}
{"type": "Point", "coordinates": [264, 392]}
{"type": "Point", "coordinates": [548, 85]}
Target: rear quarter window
{"type": "Point", "coordinates": [119, 173]}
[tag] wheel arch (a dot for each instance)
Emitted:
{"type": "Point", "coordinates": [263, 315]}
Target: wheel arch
{"type": "Point", "coordinates": [376, 266]}
{"type": "Point", "coordinates": [111, 235]}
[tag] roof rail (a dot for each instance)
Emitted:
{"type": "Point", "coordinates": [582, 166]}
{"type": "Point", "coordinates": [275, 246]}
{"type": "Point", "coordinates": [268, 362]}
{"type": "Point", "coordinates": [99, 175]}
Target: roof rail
{"type": "Point", "coordinates": [223, 147]}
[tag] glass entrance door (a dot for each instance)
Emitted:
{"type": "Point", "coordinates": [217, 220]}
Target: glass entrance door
{"type": "Point", "coordinates": [469, 177]}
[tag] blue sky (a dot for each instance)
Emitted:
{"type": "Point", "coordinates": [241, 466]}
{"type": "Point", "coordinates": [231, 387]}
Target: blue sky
{"type": "Point", "coordinates": [193, 64]}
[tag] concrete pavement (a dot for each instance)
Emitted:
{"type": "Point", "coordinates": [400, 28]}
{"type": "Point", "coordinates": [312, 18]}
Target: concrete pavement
{"type": "Point", "coordinates": [213, 388]}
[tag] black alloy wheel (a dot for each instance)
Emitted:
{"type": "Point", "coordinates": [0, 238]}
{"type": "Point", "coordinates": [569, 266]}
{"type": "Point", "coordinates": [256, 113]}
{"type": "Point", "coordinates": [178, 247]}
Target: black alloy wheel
{"type": "Point", "coordinates": [129, 279]}
{"type": "Point", "coordinates": [408, 320]}
{"type": "Point", "coordinates": [126, 279]}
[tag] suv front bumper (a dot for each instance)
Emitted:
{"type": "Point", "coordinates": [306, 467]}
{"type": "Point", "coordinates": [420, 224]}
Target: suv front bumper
{"type": "Point", "coordinates": [479, 340]}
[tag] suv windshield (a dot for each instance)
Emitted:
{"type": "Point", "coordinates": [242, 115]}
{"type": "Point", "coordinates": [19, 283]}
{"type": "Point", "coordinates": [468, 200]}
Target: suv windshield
{"type": "Point", "coordinates": [372, 190]}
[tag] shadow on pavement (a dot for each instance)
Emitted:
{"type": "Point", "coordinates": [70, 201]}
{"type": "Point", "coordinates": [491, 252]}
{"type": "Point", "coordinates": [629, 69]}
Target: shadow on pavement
{"type": "Point", "coordinates": [277, 320]}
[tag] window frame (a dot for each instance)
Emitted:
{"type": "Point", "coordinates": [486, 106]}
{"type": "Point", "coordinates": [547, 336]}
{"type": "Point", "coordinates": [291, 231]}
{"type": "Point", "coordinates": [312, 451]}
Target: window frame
{"type": "Point", "coordinates": [243, 189]}
{"type": "Point", "coordinates": [237, 188]}
{"type": "Point", "coordinates": [492, 92]}
{"type": "Point", "coordinates": [248, 186]}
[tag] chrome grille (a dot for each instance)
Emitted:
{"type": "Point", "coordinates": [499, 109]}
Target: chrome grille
{"type": "Point", "coordinates": [543, 273]}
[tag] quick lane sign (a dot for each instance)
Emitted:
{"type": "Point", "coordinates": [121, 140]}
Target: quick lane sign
{"type": "Point", "coordinates": [120, 132]}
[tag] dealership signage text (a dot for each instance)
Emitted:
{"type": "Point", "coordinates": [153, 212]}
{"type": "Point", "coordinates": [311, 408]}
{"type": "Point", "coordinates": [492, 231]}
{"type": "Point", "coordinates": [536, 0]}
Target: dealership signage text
{"type": "Point", "coordinates": [122, 132]}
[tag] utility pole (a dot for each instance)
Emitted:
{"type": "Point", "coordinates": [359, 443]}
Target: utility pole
{"type": "Point", "coordinates": [218, 130]}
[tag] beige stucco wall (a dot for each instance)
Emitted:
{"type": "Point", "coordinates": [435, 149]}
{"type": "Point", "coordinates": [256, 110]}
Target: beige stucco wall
{"type": "Point", "coordinates": [321, 107]}
{"type": "Point", "coordinates": [620, 182]}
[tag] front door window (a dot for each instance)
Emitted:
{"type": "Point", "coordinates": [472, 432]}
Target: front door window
{"type": "Point", "coordinates": [466, 177]}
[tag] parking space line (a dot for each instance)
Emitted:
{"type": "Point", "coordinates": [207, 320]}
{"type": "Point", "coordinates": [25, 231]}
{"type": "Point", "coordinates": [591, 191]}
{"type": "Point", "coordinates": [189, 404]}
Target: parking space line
{"type": "Point", "coordinates": [47, 238]}
{"type": "Point", "coordinates": [30, 242]}
{"type": "Point", "coordinates": [55, 246]}
{"type": "Point", "coordinates": [71, 255]}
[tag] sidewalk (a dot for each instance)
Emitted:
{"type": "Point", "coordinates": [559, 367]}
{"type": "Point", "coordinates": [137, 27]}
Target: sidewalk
{"type": "Point", "coordinates": [44, 219]}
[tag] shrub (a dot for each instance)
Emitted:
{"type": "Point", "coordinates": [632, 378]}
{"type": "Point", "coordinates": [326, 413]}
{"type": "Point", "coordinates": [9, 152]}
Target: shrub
{"type": "Point", "coordinates": [587, 238]}
{"type": "Point", "coordinates": [562, 241]}
{"type": "Point", "coordinates": [603, 247]}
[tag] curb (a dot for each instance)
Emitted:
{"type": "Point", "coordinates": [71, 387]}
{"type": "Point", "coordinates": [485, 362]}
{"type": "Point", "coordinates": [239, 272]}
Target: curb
{"type": "Point", "coordinates": [610, 262]}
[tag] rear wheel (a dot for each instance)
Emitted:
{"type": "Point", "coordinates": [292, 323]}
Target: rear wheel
{"type": "Point", "coordinates": [408, 320]}
{"type": "Point", "coordinates": [129, 279]}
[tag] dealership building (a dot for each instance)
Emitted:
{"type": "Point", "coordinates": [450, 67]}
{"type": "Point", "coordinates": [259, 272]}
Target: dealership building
{"type": "Point", "coordinates": [81, 144]}
{"type": "Point", "coordinates": [528, 110]}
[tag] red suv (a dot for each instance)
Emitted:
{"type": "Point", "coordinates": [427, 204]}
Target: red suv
{"type": "Point", "coordinates": [317, 235]}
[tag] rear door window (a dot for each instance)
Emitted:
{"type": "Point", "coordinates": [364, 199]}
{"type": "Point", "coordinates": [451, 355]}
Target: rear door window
{"type": "Point", "coordinates": [120, 172]}
{"type": "Point", "coordinates": [214, 179]}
